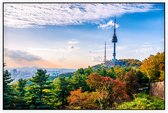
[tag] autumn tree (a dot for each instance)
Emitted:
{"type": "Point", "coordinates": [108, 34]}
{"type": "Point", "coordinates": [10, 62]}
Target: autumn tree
{"type": "Point", "coordinates": [82, 100]}
{"type": "Point", "coordinates": [154, 67]}
{"type": "Point", "coordinates": [131, 82]}
{"type": "Point", "coordinates": [113, 90]}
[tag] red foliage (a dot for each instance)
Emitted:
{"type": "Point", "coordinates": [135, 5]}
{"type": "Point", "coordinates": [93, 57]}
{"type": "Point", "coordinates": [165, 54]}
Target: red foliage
{"type": "Point", "coordinates": [115, 89]}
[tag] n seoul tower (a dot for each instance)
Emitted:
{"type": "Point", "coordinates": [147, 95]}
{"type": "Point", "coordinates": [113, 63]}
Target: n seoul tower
{"type": "Point", "coordinates": [114, 40]}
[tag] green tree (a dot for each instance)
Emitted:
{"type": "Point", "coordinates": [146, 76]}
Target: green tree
{"type": "Point", "coordinates": [8, 94]}
{"type": "Point", "coordinates": [61, 92]}
{"type": "Point", "coordinates": [38, 91]}
{"type": "Point", "coordinates": [102, 71]}
{"type": "Point", "coordinates": [79, 79]}
{"type": "Point", "coordinates": [88, 71]}
{"type": "Point", "coordinates": [111, 73]}
{"type": "Point", "coordinates": [142, 78]}
{"type": "Point", "coordinates": [21, 102]}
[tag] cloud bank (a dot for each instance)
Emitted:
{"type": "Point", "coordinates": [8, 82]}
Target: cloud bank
{"type": "Point", "coordinates": [17, 55]}
{"type": "Point", "coordinates": [36, 15]}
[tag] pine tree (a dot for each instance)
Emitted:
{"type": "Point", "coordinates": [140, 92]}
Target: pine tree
{"type": "Point", "coordinates": [62, 92]}
{"type": "Point", "coordinates": [38, 90]}
{"type": "Point", "coordinates": [8, 95]}
{"type": "Point", "coordinates": [21, 102]}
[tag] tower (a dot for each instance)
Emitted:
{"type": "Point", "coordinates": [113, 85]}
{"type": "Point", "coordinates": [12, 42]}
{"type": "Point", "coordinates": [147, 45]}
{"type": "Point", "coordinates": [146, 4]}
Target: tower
{"type": "Point", "coordinates": [105, 53]}
{"type": "Point", "coordinates": [114, 40]}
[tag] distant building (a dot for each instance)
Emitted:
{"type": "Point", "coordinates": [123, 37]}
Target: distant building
{"type": "Point", "coordinates": [110, 63]}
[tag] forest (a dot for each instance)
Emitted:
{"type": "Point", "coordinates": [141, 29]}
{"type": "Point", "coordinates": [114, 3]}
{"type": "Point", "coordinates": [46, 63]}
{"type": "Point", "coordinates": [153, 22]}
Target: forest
{"type": "Point", "coordinates": [90, 88]}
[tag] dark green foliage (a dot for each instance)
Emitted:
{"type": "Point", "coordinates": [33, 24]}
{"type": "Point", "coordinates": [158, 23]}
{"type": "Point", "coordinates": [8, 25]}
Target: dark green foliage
{"type": "Point", "coordinates": [61, 92]}
{"type": "Point", "coordinates": [79, 79]}
{"type": "Point", "coordinates": [142, 78]}
{"type": "Point", "coordinates": [111, 73]}
{"type": "Point", "coordinates": [81, 71]}
{"type": "Point", "coordinates": [103, 72]}
{"type": "Point", "coordinates": [21, 86]}
{"type": "Point", "coordinates": [21, 102]}
{"type": "Point", "coordinates": [88, 71]}
{"type": "Point", "coordinates": [8, 94]}
{"type": "Point", "coordinates": [39, 90]}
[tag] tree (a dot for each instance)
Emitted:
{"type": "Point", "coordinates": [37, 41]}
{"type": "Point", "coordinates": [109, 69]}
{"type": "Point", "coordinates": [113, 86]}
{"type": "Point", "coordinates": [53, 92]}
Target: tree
{"type": "Point", "coordinates": [102, 71]}
{"type": "Point", "coordinates": [94, 81]}
{"type": "Point", "coordinates": [8, 94]}
{"type": "Point", "coordinates": [111, 90]}
{"type": "Point", "coordinates": [62, 89]}
{"type": "Point", "coordinates": [116, 91]}
{"type": "Point", "coordinates": [142, 78]}
{"type": "Point", "coordinates": [111, 73]}
{"type": "Point", "coordinates": [153, 67]}
{"type": "Point", "coordinates": [21, 102]}
{"type": "Point", "coordinates": [122, 75]}
{"type": "Point", "coordinates": [79, 80]}
{"type": "Point", "coordinates": [131, 82]}
{"type": "Point", "coordinates": [79, 100]}
{"type": "Point", "coordinates": [80, 71]}
{"type": "Point", "coordinates": [88, 71]}
{"type": "Point", "coordinates": [38, 90]}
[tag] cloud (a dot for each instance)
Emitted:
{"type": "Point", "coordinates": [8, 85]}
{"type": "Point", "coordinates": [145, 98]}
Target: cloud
{"type": "Point", "coordinates": [17, 55]}
{"type": "Point", "coordinates": [108, 25]}
{"type": "Point", "coordinates": [35, 15]}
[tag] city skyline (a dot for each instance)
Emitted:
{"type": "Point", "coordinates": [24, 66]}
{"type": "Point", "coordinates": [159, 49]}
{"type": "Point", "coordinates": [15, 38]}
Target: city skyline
{"type": "Point", "coordinates": [73, 35]}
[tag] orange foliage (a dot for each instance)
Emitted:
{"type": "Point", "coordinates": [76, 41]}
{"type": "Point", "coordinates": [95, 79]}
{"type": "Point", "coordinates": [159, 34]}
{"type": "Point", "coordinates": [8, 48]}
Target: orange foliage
{"type": "Point", "coordinates": [79, 100]}
{"type": "Point", "coordinates": [94, 81]}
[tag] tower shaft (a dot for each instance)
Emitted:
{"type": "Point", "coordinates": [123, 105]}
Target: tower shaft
{"type": "Point", "coordinates": [114, 54]}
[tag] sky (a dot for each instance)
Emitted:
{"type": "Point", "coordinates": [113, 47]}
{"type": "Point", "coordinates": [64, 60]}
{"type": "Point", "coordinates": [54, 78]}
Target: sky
{"type": "Point", "coordinates": [73, 35]}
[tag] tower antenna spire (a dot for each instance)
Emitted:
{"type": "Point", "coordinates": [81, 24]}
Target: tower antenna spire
{"type": "Point", "coordinates": [115, 25]}
{"type": "Point", "coordinates": [105, 53]}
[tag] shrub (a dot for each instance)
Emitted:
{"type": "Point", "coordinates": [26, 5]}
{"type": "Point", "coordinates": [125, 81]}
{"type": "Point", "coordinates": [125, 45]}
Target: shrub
{"type": "Point", "coordinates": [143, 101]}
